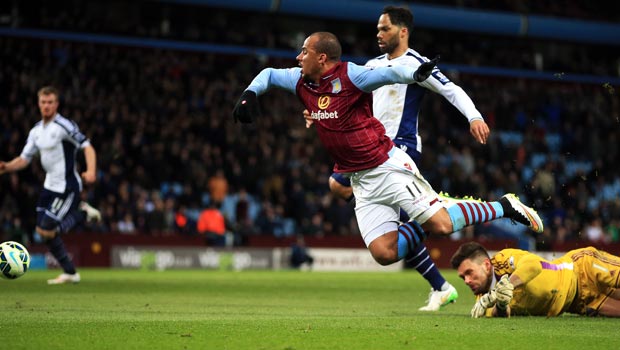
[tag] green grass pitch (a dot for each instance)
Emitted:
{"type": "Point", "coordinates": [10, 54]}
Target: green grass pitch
{"type": "Point", "coordinates": [271, 310]}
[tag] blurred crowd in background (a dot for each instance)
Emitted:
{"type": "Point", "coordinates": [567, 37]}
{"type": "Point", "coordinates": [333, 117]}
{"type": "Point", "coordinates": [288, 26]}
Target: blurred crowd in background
{"type": "Point", "coordinates": [168, 149]}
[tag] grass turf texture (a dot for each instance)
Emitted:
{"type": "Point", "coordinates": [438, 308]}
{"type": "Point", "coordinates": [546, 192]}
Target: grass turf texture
{"type": "Point", "coordinates": [281, 310]}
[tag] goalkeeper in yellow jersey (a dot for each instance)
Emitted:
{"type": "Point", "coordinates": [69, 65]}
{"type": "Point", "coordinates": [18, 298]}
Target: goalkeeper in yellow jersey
{"type": "Point", "coordinates": [516, 282]}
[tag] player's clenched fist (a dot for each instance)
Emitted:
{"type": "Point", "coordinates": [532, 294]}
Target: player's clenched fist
{"type": "Point", "coordinates": [425, 70]}
{"type": "Point", "coordinates": [308, 118]}
{"type": "Point", "coordinates": [246, 110]}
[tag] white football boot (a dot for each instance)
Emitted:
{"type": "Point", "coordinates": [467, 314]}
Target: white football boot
{"type": "Point", "coordinates": [439, 298]}
{"type": "Point", "coordinates": [65, 278]}
{"type": "Point", "coordinates": [92, 214]}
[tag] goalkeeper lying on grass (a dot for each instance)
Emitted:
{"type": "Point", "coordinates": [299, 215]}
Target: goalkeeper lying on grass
{"type": "Point", "coordinates": [583, 281]}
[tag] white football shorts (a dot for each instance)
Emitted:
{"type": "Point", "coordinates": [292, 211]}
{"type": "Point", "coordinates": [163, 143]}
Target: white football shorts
{"type": "Point", "coordinates": [381, 192]}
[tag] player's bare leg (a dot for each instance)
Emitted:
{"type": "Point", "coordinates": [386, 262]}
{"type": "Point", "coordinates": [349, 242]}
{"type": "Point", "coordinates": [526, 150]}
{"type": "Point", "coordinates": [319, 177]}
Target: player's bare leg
{"type": "Point", "coordinates": [439, 224]}
{"type": "Point", "coordinates": [394, 246]}
{"type": "Point", "coordinates": [384, 249]}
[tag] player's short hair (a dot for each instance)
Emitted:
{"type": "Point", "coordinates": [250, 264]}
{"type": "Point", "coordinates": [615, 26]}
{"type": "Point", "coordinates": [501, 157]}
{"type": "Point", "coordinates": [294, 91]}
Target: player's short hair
{"type": "Point", "coordinates": [48, 90]}
{"type": "Point", "coordinates": [400, 16]}
{"type": "Point", "coordinates": [470, 250]}
{"type": "Point", "coordinates": [328, 44]}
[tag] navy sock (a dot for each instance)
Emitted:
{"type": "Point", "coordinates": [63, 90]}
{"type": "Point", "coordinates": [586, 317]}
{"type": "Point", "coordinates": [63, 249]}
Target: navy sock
{"type": "Point", "coordinates": [57, 248]}
{"type": "Point", "coordinates": [410, 236]}
{"type": "Point", "coordinates": [421, 260]}
{"type": "Point", "coordinates": [71, 220]}
{"type": "Point", "coordinates": [403, 216]}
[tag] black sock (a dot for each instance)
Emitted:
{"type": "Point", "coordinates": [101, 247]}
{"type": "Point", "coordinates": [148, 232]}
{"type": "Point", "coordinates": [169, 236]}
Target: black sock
{"type": "Point", "coordinates": [57, 248]}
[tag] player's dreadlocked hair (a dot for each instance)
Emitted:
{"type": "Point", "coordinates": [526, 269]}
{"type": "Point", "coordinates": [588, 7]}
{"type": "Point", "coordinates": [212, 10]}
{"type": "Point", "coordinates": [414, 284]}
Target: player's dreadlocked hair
{"type": "Point", "coordinates": [470, 250]}
{"type": "Point", "coordinates": [328, 44]}
{"type": "Point", "coordinates": [400, 16]}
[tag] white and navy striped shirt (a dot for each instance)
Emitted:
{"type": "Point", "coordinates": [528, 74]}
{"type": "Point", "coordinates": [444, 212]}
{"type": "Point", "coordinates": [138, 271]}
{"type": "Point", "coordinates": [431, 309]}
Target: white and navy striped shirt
{"type": "Point", "coordinates": [397, 106]}
{"type": "Point", "coordinates": [57, 143]}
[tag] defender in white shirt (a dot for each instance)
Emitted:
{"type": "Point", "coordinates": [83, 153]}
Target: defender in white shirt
{"type": "Point", "coordinates": [57, 140]}
{"type": "Point", "coordinates": [398, 106]}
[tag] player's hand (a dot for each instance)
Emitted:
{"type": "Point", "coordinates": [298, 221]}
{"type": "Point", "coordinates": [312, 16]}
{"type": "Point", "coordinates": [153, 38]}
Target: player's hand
{"type": "Point", "coordinates": [2, 167]}
{"type": "Point", "coordinates": [503, 292]}
{"type": "Point", "coordinates": [425, 69]}
{"type": "Point", "coordinates": [89, 177]}
{"type": "Point", "coordinates": [309, 120]}
{"type": "Point", "coordinates": [481, 306]}
{"type": "Point", "coordinates": [246, 110]}
{"type": "Point", "coordinates": [479, 130]}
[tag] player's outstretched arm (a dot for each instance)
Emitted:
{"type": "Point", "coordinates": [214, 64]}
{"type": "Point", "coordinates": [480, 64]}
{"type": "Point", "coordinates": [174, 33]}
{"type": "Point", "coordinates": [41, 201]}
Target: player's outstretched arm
{"type": "Point", "coordinates": [246, 109]}
{"type": "Point", "coordinates": [18, 163]}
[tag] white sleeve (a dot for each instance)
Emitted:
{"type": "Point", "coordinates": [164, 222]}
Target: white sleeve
{"type": "Point", "coordinates": [440, 84]}
{"type": "Point", "coordinates": [30, 149]}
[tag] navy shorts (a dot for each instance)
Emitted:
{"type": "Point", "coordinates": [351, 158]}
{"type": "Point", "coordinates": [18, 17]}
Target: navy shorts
{"type": "Point", "coordinates": [54, 206]}
{"type": "Point", "coordinates": [342, 179]}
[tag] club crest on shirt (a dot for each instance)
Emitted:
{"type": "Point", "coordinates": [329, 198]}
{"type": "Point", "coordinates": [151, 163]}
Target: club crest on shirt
{"type": "Point", "coordinates": [323, 101]}
{"type": "Point", "coordinates": [408, 166]}
{"type": "Point", "coordinates": [336, 86]}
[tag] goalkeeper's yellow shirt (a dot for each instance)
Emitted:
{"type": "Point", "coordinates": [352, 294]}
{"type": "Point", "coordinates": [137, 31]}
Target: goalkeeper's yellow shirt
{"type": "Point", "coordinates": [549, 287]}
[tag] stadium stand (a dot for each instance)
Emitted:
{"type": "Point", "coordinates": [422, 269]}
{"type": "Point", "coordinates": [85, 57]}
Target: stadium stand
{"type": "Point", "coordinates": [159, 116]}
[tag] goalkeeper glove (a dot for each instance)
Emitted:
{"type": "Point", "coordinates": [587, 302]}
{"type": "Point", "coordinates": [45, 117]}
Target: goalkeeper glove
{"type": "Point", "coordinates": [246, 109]}
{"type": "Point", "coordinates": [425, 70]}
{"type": "Point", "coordinates": [481, 306]}
{"type": "Point", "coordinates": [503, 292]}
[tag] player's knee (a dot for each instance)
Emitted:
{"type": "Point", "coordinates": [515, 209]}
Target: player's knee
{"type": "Point", "coordinates": [385, 259]}
{"type": "Point", "coordinates": [46, 234]}
{"type": "Point", "coordinates": [384, 256]}
{"type": "Point", "coordinates": [47, 227]}
{"type": "Point", "coordinates": [384, 249]}
{"type": "Point", "coordinates": [344, 192]}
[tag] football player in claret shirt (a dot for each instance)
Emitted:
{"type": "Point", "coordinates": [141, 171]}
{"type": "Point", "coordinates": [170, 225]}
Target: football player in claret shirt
{"type": "Point", "coordinates": [516, 282]}
{"type": "Point", "coordinates": [397, 106]}
{"type": "Point", "coordinates": [338, 96]}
